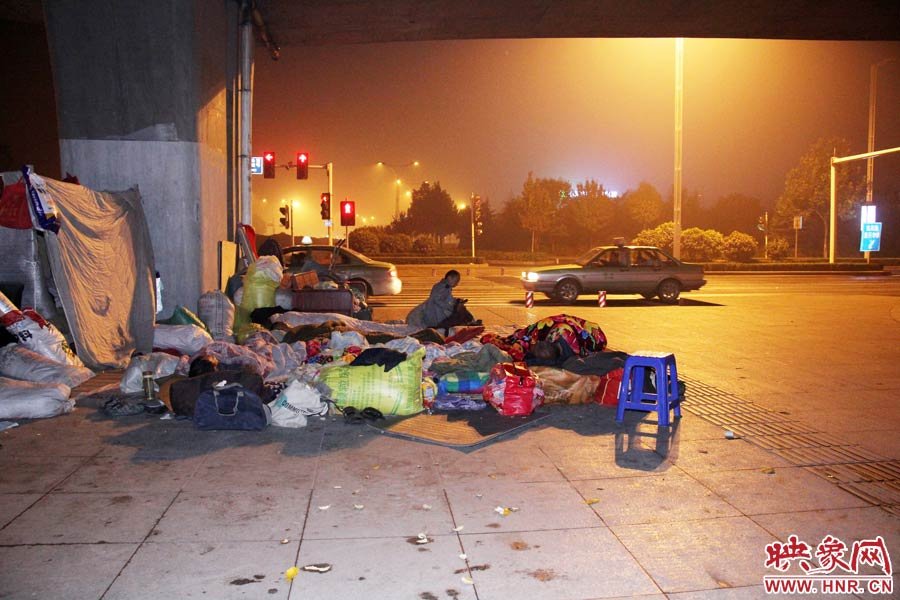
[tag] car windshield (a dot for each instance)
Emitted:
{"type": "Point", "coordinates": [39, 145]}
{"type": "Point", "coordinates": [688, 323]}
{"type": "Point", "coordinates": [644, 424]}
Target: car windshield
{"type": "Point", "coordinates": [585, 258]}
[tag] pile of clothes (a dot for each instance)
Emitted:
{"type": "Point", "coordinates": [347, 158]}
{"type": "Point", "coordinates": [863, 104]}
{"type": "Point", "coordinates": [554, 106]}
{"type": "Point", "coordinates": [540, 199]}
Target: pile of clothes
{"type": "Point", "coordinates": [307, 363]}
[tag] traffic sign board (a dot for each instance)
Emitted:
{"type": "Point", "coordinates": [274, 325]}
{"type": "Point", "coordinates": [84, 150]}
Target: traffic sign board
{"type": "Point", "coordinates": [870, 241]}
{"type": "Point", "coordinates": [256, 165]}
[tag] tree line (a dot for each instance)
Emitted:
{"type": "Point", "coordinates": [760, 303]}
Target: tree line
{"type": "Point", "coordinates": [554, 216]}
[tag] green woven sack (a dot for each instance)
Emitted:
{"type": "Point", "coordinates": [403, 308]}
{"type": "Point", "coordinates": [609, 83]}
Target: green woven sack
{"type": "Point", "coordinates": [396, 392]}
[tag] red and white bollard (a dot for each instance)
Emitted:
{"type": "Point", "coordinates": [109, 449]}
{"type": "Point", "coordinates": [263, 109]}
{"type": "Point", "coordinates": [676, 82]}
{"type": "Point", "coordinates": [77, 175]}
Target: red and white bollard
{"type": "Point", "coordinates": [529, 299]}
{"type": "Point", "coordinates": [601, 299]}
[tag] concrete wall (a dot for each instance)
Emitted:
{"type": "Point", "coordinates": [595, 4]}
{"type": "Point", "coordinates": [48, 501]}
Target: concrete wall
{"type": "Point", "coordinates": [142, 96]}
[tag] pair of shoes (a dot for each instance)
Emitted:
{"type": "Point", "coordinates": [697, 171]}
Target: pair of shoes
{"type": "Point", "coordinates": [354, 416]}
{"type": "Point", "coordinates": [117, 407]}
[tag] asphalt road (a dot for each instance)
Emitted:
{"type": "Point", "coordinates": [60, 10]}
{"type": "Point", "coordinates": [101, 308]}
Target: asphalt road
{"type": "Point", "coordinates": [822, 347]}
{"type": "Point", "coordinates": [486, 286]}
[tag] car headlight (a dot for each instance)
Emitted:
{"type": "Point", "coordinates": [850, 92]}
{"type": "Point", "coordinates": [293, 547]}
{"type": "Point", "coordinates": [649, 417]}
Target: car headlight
{"type": "Point", "coordinates": [530, 276]}
{"type": "Point", "coordinates": [393, 273]}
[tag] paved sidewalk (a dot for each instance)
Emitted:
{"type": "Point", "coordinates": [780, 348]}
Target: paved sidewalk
{"type": "Point", "coordinates": [139, 508]}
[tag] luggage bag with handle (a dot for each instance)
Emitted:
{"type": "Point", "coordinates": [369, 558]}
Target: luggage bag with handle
{"type": "Point", "coordinates": [231, 407]}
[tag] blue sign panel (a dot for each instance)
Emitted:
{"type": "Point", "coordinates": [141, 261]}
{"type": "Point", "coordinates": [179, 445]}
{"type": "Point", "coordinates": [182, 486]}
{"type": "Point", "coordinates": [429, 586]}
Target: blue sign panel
{"type": "Point", "coordinates": [256, 167]}
{"type": "Point", "coordinates": [870, 241]}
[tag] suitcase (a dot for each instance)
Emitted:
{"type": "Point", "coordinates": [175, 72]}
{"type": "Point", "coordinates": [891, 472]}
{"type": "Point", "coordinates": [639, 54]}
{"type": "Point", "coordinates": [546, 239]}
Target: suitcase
{"type": "Point", "coordinates": [335, 301]}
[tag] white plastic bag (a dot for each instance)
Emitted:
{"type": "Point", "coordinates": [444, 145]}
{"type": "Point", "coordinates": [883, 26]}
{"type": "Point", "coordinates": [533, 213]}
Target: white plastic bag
{"type": "Point", "coordinates": [21, 363]}
{"type": "Point", "coordinates": [160, 364]}
{"type": "Point", "coordinates": [407, 345]}
{"type": "Point", "coordinates": [270, 266]}
{"type": "Point", "coordinates": [341, 340]}
{"type": "Point", "coordinates": [216, 310]}
{"type": "Point", "coordinates": [187, 339]}
{"type": "Point", "coordinates": [295, 403]}
{"type": "Point", "coordinates": [31, 400]}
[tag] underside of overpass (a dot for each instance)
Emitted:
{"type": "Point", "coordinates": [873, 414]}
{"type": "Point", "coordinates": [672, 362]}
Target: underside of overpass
{"type": "Point", "coordinates": [318, 22]}
{"type": "Point", "coordinates": [145, 92]}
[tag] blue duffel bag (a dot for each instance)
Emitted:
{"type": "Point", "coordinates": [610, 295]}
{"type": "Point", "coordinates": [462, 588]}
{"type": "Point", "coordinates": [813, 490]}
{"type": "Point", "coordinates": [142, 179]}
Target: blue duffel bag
{"type": "Point", "coordinates": [231, 407]}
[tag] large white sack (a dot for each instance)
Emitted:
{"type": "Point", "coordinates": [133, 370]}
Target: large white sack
{"type": "Point", "coordinates": [21, 363]}
{"type": "Point", "coordinates": [36, 333]}
{"type": "Point", "coordinates": [216, 310]}
{"type": "Point", "coordinates": [31, 400]}
{"type": "Point", "coordinates": [160, 364]}
{"type": "Point", "coordinates": [187, 339]}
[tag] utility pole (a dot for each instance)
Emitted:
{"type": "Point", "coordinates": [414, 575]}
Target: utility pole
{"type": "Point", "coordinates": [679, 119]}
{"type": "Point", "coordinates": [472, 223]}
{"type": "Point", "coordinates": [870, 162]}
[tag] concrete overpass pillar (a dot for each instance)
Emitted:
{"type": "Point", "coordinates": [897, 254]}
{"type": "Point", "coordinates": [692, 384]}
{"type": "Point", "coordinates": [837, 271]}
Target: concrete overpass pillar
{"type": "Point", "coordinates": [144, 95]}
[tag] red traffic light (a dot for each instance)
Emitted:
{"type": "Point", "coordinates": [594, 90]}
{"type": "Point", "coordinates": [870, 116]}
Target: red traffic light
{"type": "Point", "coordinates": [303, 165]}
{"type": "Point", "coordinates": [325, 206]}
{"type": "Point", "coordinates": [269, 165]}
{"type": "Point", "coordinates": [348, 213]}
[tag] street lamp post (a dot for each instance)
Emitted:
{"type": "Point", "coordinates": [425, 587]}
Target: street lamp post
{"type": "Point", "coordinates": [397, 181]}
{"type": "Point", "coordinates": [870, 162]}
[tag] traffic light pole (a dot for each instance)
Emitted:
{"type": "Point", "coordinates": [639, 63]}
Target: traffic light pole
{"type": "Point", "coordinates": [291, 205]}
{"type": "Point", "coordinates": [329, 171]}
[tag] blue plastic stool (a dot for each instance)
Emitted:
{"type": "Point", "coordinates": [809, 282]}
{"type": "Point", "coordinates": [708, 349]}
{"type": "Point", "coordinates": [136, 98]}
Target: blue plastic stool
{"type": "Point", "coordinates": [632, 395]}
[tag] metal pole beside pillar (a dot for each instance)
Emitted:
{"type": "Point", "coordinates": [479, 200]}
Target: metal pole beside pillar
{"type": "Point", "coordinates": [246, 108]}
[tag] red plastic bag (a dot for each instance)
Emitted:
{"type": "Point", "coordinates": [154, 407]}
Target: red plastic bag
{"type": "Point", "coordinates": [607, 393]}
{"type": "Point", "coordinates": [14, 207]}
{"type": "Point", "coordinates": [513, 389]}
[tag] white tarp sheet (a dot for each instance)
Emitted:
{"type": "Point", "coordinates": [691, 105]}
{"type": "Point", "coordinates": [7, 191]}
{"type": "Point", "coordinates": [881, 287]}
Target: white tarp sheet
{"type": "Point", "coordinates": [102, 264]}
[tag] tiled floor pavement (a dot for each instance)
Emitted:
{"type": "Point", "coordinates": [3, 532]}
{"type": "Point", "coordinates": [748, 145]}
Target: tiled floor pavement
{"type": "Point", "coordinates": [142, 508]}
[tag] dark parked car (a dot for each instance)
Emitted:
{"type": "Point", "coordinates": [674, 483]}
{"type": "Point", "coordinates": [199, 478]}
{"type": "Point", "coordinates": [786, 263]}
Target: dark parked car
{"type": "Point", "coordinates": [643, 270]}
{"type": "Point", "coordinates": [380, 278]}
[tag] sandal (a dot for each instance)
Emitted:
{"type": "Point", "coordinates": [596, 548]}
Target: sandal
{"type": "Point", "coordinates": [353, 416]}
{"type": "Point", "coordinates": [117, 407]}
{"type": "Point", "coordinates": [371, 414]}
